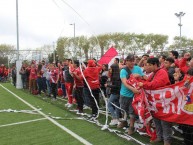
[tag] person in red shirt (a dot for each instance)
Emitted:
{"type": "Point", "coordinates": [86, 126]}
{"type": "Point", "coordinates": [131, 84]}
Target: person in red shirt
{"type": "Point", "coordinates": [162, 59]}
{"type": "Point", "coordinates": [2, 72]}
{"type": "Point", "coordinates": [32, 78]}
{"type": "Point", "coordinates": [174, 54]}
{"type": "Point", "coordinates": [186, 63]}
{"type": "Point", "coordinates": [91, 74]}
{"type": "Point", "coordinates": [78, 85]}
{"type": "Point", "coordinates": [159, 78]}
{"type": "Point", "coordinates": [62, 81]}
{"type": "Point", "coordinates": [69, 81]}
{"type": "Point", "coordinates": [54, 80]}
{"type": "Point", "coordinates": [40, 80]}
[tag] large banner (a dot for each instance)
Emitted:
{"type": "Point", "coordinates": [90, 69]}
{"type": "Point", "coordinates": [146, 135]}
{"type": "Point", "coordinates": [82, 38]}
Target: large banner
{"type": "Point", "coordinates": [172, 103]}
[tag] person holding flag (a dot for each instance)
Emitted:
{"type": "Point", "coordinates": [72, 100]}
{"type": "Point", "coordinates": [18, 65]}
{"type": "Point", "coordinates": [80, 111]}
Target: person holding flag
{"type": "Point", "coordinates": [159, 78]}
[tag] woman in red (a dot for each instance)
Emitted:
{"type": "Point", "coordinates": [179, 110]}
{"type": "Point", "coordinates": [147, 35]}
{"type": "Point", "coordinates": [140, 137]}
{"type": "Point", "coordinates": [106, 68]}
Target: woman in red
{"type": "Point", "coordinates": [40, 80]}
{"type": "Point", "coordinates": [62, 81]}
{"type": "Point", "coordinates": [54, 80]}
{"type": "Point", "coordinates": [32, 78]}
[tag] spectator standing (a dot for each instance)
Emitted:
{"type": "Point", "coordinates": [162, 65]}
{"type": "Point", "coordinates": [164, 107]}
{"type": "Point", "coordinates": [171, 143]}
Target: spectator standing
{"type": "Point", "coordinates": [127, 92]}
{"type": "Point", "coordinates": [159, 78]}
{"type": "Point", "coordinates": [114, 86]}
{"type": "Point", "coordinates": [91, 74]}
{"type": "Point", "coordinates": [23, 73]}
{"type": "Point", "coordinates": [13, 75]}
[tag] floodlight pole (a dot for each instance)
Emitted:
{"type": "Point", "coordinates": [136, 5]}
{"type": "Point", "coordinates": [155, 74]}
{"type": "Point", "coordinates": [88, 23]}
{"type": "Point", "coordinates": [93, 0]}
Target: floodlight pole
{"type": "Point", "coordinates": [180, 15]}
{"type": "Point", "coordinates": [75, 35]}
{"type": "Point", "coordinates": [17, 27]}
{"type": "Point", "coordinates": [18, 62]}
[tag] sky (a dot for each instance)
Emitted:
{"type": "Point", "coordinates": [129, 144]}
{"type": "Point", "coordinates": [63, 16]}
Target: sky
{"type": "Point", "coordinates": [42, 22]}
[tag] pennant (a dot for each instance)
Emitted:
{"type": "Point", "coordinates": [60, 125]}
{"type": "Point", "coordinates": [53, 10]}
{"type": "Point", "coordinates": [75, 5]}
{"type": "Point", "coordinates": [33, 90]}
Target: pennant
{"type": "Point", "coordinates": [108, 56]}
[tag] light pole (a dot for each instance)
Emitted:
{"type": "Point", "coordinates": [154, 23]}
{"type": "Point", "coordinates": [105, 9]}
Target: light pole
{"type": "Point", "coordinates": [180, 15]}
{"type": "Point", "coordinates": [74, 34]}
{"type": "Point", "coordinates": [18, 62]}
{"type": "Point", "coordinates": [74, 28]}
{"type": "Point", "coordinates": [54, 57]}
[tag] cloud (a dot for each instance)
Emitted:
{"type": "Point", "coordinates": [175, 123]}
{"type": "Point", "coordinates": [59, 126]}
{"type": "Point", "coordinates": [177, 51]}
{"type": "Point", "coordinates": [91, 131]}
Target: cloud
{"type": "Point", "coordinates": [44, 21]}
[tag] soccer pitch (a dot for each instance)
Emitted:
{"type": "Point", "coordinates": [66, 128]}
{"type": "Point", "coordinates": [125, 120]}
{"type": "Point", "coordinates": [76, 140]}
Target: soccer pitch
{"type": "Point", "coordinates": [32, 120]}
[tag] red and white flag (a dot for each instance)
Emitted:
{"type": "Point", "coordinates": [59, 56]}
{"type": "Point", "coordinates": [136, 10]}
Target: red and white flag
{"type": "Point", "coordinates": [108, 56]}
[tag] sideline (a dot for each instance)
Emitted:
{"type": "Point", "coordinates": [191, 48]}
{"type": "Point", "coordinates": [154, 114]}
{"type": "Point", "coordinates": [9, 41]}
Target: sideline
{"type": "Point", "coordinates": [82, 140]}
{"type": "Point", "coordinates": [23, 122]}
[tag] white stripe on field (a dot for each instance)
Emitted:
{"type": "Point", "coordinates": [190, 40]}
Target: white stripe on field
{"type": "Point", "coordinates": [50, 119]}
{"type": "Point", "coordinates": [23, 122]}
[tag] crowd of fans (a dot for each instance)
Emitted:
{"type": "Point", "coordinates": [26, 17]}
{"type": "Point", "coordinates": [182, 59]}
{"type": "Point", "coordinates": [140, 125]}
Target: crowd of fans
{"type": "Point", "coordinates": [3, 73]}
{"type": "Point", "coordinates": [81, 83]}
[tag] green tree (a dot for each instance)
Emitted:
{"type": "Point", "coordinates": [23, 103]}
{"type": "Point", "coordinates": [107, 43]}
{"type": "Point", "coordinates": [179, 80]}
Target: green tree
{"type": "Point", "coordinates": [103, 40]}
{"type": "Point", "coordinates": [84, 46]}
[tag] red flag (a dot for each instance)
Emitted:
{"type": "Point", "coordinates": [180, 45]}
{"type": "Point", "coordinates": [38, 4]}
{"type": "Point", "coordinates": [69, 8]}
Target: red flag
{"type": "Point", "coordinates": [141, 107]}
{"type": "Point", "coordinates": [107, 57]}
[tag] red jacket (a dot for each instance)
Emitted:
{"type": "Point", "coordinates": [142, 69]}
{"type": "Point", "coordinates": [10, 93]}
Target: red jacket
{"type": "Point", "coordinates": [92, 76]}
{"type": "Point", "coordinates": [182, 65]}
{"type": "Point", "coordinates": [158, 79]}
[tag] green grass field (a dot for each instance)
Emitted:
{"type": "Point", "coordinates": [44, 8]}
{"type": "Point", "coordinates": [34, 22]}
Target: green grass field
{"type": "Point", "coordinates": [41, 129]}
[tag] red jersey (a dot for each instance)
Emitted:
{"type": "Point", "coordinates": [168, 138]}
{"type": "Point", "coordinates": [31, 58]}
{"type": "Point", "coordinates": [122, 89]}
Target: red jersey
{"type": "Point", "coordinates": [61, 77]}
{"type": "Point", "coordinates": [33, 73]}
{"type": "Point", "coordinates": [78, 82]}
{"type": "Point", "coordinates": [53, 76]}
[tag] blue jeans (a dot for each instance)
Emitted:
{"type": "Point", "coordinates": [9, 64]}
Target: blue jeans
{"type": "Point", "coordinates": [48, 86]}
{"type": "Point", "coordinates": [114, 98]}
{"type": "Point", "coordinates": [40, 85]}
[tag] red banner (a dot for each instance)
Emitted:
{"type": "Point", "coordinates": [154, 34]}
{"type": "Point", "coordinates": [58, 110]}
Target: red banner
{"type": "Point", "coordinates": [106, 58]}
{"type": "Point", "coordinates": [172, 103]}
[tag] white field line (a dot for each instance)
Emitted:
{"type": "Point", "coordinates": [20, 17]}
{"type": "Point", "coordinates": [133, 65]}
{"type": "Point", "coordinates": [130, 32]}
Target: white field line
{"type": "Point", "coordinates": [23, 122]}
{"type": "Point", "coordinates": [50, 119]}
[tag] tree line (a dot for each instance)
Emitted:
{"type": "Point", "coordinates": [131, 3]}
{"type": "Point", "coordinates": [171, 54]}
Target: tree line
{"type": "Point", "coordinates": [95, 46]}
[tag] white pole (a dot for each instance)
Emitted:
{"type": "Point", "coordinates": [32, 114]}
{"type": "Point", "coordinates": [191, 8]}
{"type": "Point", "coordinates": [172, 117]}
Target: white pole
{"type": "Point", "coordinates": [18, 62]}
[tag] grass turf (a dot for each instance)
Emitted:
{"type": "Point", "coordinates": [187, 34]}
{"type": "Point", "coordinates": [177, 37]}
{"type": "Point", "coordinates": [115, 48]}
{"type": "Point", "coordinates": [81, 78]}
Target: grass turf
{"type": "Point", "coordinates": [44, 132]}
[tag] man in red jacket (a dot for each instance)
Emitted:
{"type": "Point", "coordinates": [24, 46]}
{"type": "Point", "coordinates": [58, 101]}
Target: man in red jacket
{"type": "Point", "coordinates": [159, 78]}
{"type": "Point", "coordinates": [91, 74]}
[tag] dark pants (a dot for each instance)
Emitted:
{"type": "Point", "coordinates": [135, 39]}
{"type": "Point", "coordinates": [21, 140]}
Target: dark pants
{"type": "Point", "coordinates": [44, 83]}
{"type": "Point", "coordinates": [40, 85]}
{"type": "Point", "coordinates": [23, 79]}
{"type": "Point", "coordinates": [78, 96]}
{"type": "Point", "coordinates": [86, 97]}
{"type": "Point", "coordinates": [54, 89]}
{"type": "Point", "coordinates": [14, 81]}
{"type": "Point", "coordinates": [93, 104]}
{"type": "Point", "coordinates": [187, 134]}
